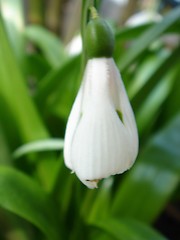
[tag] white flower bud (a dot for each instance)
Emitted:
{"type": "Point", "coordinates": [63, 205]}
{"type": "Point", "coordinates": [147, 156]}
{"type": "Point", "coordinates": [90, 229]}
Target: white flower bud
{"type": "Point", "coordinates": [99, 143]}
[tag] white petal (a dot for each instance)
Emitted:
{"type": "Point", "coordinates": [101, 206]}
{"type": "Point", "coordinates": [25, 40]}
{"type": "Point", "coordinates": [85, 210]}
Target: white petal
{"type": "Point", "coordinates": [73, 120]}
{"type": "Point", "coordinates": [101, 144]}
{"type": "Point", "coordinates": [124, 107]}
{"type": "Point", "coordinates": [97, 143]}
{"type": "Point", "coordinates": [90, 184]}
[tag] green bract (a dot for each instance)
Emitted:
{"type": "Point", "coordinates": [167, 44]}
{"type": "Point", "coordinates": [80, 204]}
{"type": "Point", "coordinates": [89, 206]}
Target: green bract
{"type": "Point", "coordinates": [99, 39]}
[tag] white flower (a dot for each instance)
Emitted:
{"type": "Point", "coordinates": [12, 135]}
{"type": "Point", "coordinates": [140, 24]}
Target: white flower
{"type": "Point", "coordinates": [97, 142]}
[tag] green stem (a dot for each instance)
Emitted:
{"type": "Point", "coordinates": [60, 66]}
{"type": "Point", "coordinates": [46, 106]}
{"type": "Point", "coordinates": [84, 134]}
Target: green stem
{"type": "Point", "coordinates": [84, 20]}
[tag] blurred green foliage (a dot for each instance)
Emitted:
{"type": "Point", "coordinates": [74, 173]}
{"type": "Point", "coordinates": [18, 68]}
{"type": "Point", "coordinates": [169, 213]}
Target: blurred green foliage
{"type": "Point", "coordinates": [37, 89]}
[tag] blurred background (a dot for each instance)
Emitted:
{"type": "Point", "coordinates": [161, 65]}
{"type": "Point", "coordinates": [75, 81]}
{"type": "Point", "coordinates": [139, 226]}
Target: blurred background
{"type": "Point", "coordinates": [40, 73]}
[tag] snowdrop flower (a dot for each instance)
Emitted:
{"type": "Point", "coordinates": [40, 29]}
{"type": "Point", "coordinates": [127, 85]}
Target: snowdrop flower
{"type": "Point", "coordinates": [101, 136]}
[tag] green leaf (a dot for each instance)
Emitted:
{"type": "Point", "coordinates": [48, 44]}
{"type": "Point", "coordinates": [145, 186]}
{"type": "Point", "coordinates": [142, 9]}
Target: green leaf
{"type": "Point", "coordinates": [164, 68]}
{"type": "Point", "coordinates": [50, 83]}
{"type": "Point", "coordinates": [145, 70]}
{"type": "Point", "coordinates": [147, 38]}
{"type": "Point", "coordinates": [148, 186]}
{"type": "Point", "coordinates": [58, 89]}
{"type": "Point", "coordinates": [39, 146]}
{"type": "Point", "coordinates": [128, 33]}
{"type": "Point", "coordinates": [146, 115]}
{"type": "Point", "coordinates": [96, 204]}
{"type": "Point", "coordinates": [19, 110]}
{"type": "Point", "coordinates": [15, 97]}
{"type": "Point", "coordinates": [173, 101]}
{"type": "Point", "coordinates": [13, 19]}
{"type": "Point", "coordinates": [5, 156]}
{"type": "Point", "coordinates": [62, 189]}
{"type": "Point", "coordinates": [48, 43]}
{"type": "Point", "coordinates": [98, 234]}
{"type": "Point", "coordinates": [22, 196]}
{"type": "Point", "coordinates": [37, 67]}
{"type": "Point", "coordinates": [127, 229]}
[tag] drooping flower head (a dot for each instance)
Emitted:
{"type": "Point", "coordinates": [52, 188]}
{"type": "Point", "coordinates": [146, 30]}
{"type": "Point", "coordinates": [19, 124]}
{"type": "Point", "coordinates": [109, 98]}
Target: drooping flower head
{"type": "Point", "coordinates": [101, 136]}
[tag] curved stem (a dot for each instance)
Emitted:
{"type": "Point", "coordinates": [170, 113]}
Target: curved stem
{"type": "Point", "coordinates": [84, 20]}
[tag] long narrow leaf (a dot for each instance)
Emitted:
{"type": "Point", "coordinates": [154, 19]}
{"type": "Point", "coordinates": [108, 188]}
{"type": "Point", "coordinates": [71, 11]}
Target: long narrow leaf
{"type": "Point", "coordinates": [148, 37]}
{"type": "Point", "coordinates": [127, 229]}
{"type": "Point", "coordinates": [5, 156]}
{"type": "Point", "coordinates": [39, 146]}
{"type": "Point", "coordinates": [164, 68]}
{"type": "Point", "coordinates": [22, 196]}
{"type": "Point", "coordinates": [48, 43]}
{"type": "Point", "coordinates": [13, 19]}
{"type": "Point", "coordinates": [99, 207]}
{"type": "Point", "coordinates": [15, 96]}
{"type": "Point", "coordinates": [146, 115]}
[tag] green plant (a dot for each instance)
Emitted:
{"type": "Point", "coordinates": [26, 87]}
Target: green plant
{"type": "Point", "coordinates": [39, 198]}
